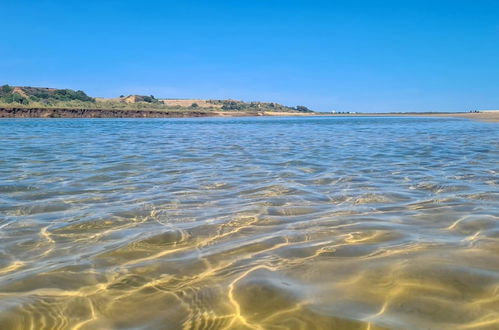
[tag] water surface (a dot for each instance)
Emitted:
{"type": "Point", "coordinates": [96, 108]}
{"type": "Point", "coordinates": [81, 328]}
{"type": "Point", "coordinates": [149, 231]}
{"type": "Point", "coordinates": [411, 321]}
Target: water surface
{"type": "Point", "coordinates": [249, 223]}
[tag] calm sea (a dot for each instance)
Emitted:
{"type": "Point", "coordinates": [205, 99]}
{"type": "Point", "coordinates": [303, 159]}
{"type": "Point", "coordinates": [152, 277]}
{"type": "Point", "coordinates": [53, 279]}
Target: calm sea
{"type": "Point", "coordinates": [249, 223]}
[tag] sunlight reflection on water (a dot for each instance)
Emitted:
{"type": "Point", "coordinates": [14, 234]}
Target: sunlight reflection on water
{"type": "Point", "coordinates": [253, 223]}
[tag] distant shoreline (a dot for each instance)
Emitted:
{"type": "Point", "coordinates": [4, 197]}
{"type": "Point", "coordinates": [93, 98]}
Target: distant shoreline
{"type": "Point", "coordinates": [490, 116]}
{"type": "Point", "coordinates": [23, 112]}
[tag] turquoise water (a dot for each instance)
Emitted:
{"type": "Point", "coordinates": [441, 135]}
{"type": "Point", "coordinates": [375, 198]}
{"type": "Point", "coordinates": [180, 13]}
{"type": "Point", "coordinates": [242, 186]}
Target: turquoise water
{"type": "Point", "coordinates": [249, 223]}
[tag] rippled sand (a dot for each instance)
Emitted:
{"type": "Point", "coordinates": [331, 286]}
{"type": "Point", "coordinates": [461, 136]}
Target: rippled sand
{"type": "Point", "coordinates": [269, 223]}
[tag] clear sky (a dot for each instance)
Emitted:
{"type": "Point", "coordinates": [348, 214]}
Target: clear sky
{"type": "Point", "coordinates": [422, 55]}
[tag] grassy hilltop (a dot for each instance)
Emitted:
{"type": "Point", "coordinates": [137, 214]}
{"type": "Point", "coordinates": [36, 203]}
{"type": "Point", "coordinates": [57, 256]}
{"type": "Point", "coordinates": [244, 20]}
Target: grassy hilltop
{"type": "Point", "coordinates": [40, 97]}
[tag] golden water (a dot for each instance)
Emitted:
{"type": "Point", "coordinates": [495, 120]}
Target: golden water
{"type": "Point", "coordinates": [362, 223]}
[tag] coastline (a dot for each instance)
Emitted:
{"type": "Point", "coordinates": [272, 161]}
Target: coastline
{"type": "Point", "coordinates": [21, 112]}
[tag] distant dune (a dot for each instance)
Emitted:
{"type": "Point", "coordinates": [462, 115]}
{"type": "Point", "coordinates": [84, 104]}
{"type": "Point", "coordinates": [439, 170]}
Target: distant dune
{"type": "Point", "coordinates": [190, 102]}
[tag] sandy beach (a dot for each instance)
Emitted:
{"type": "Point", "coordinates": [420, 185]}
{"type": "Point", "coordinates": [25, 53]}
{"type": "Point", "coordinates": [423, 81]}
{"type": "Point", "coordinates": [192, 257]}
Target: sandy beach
{"type": "Point", "coordinates": [490, 116]}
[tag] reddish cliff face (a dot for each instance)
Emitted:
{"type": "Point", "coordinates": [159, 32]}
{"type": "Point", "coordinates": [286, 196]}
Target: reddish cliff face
{"type": "Point", "coordinates": [114, 113]}
{"type": "Point", "coordinates": [97, 113]}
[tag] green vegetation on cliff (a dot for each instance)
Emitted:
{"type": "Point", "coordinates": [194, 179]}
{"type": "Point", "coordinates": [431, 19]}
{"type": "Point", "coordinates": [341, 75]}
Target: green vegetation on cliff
{"type": "Point", "coordinates": [41, 96]}
{"type": "Point", "coordinates": [38, 97]}
{"type": "Point", "coordinates": [8, 95]}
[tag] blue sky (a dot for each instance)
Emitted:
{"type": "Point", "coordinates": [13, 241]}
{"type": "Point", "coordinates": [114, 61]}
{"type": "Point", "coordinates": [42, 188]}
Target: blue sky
{"type": "Point", "coordinates": [437, 55]}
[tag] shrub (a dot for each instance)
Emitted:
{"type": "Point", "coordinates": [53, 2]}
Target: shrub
{"type": "Point", "coordinates": [148, 99]}
{"type": "Point", "coordinates": [41, 95]}
{"type": "Point", "coordinates": [15, 98]}
{"type": "Point", "coordinates": [6, 89]}
{"type": "Point", "coordinates": [302, 108]}
{"type": "Point", "coordinates": [232, 105]}
{"type": "Point", "coordinates": [68, 95]}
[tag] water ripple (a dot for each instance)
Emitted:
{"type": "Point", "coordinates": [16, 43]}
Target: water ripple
{"type": "Point", "coordinates": [253, 223]}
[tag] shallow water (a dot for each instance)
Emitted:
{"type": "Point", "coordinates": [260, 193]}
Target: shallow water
{"type": "Point", "coordinates": [249, 223]}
